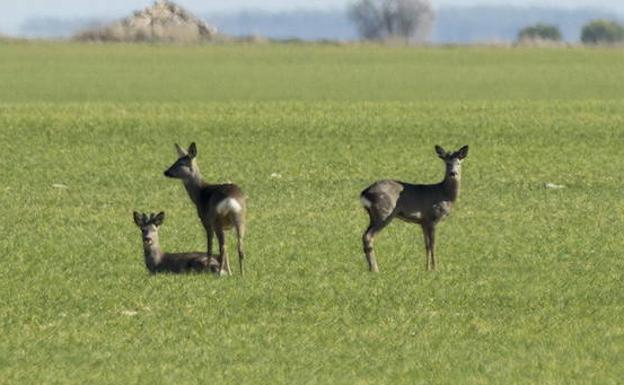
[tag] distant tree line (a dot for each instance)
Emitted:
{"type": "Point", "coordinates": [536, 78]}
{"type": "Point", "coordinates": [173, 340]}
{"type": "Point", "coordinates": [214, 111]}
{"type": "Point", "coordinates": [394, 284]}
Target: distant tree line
{"type": "Point", "coordinates": [602, 31]}
{"type": "Point", "coordinates": [412, 20]}
{"type": "Point", "coordinates": [540, 31]}
{"type": "Point", "coordinates": [595, 32]}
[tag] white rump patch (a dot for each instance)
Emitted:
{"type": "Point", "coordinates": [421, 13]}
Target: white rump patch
{"type": "Point", "coordinates": [365, 202]}
{"type": "Point", "coordinates": [227, 205]}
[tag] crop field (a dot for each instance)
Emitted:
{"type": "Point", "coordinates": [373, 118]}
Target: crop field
{"type": "Point", "coordinates": [529, 289]}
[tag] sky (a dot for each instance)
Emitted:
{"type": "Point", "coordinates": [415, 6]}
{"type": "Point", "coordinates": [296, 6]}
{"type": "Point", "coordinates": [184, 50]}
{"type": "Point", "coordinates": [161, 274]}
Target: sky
{"type": "Point", "coordinates": [14, 12]}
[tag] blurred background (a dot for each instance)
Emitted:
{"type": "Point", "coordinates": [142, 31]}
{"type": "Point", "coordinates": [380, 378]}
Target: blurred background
{"type": "Point", "coordinates": [436, 21]}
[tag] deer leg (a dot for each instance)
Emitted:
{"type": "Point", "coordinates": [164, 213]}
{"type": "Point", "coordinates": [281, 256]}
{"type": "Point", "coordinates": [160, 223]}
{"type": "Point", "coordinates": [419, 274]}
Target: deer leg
{"type": "Point", "coordinates": [429, 231]}
{"type": "Point", "coordinates": [240, 232]}
{"type": "Point", "coordinates": [375, 226]}
{"type": "Point", "coordinates": [223, 262]}
{"type": "Point", "coordinates": [209, 237]}
{"type": "Point", "coordinates": [367, 240]}
{"type": "Point", "coordinates": [426, 236]}
{"type": "Point", "coordinates": [432, 247]}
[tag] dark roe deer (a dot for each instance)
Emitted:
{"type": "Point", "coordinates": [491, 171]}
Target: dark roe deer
{"type": "Point", "coordinates": [220, 207]}
{"type": "Point", "coordinates": [425, 204]}
{"type": "Point", "coordinates": [157, 261]}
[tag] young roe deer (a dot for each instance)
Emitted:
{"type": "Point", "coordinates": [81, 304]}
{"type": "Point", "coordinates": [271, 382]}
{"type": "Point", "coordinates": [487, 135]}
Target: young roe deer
{"type": "Point", "coordinates": [425, 204]}
{"type": "Point", "coordinates": [157, 261]}
{"type": "Point", "coordinates": [220, 207]}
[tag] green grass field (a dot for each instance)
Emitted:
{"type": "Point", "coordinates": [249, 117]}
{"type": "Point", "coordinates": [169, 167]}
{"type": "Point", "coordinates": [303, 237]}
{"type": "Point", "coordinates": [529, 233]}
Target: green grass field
{"type": "Point", "coordinates": [529, 287]}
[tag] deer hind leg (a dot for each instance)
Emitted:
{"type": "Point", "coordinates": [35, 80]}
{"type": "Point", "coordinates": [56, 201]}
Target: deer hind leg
{"type": "Point", "coordinates": [239, 227]}
{"type": "Point", "coordinates": [377, 223]}
{"type": "Point", "coordinates": [224, 265]}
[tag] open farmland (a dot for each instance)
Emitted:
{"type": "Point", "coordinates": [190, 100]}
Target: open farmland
{"type": "Point", "coordinates": [529, 287]}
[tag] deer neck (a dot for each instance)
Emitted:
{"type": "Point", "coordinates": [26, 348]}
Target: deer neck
{"type": "Point", "coordinates": [153, 255]}
{"type": "Point", "coordinates": [193, 185]}
{"type": "Point", "coordinates": [450, 187]}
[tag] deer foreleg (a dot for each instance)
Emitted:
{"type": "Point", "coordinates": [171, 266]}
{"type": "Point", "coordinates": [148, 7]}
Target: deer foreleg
{"type": "Point", "coordinates": [429, 231]}
{"type": "Point", "coordinates": [209, 238]}
{"type": "Point", "coordinates": [427, 246]}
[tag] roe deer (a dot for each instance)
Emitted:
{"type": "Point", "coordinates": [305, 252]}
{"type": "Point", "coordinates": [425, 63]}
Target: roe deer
{"type": "Point", "coordinates": [220, 207]}
{"type": "Point", "coordinates": [157, 261]}
{"type": "Point", "coordinates": [425, 204]}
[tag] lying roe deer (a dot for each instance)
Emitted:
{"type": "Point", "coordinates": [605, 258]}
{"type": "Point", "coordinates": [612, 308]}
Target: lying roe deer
{"type": "Point", "coordinates": [425, 204]}
{"type": "Point", "coordinates": [220, 207]}
{"type": "Point", "coordinates": [158, 261]}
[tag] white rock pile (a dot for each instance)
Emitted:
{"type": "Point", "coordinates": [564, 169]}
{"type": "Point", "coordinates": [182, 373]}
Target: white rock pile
{"type": "Point", "coordinates": [163, 21]}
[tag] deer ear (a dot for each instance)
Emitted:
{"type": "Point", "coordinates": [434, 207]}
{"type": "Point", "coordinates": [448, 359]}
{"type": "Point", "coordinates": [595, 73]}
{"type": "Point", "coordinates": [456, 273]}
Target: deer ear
{"type": "Point", "coordinates": [441, 152]}
{"type": "Point", "coordinates": [462, 152]}
{"type": "Point", "coordinates": [137, 218]}
{"type": "Point", "coordinates": [181, 152]}
{"type": "Point", "coordinates": [192, 150]}
{"type": "Point", "coordinates": [159, 218]}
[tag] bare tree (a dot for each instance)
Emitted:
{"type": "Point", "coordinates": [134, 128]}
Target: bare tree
{"type": "Point", "coordinates": [410, 20]}
{"type": "Point", "coordinates": [368, 19]}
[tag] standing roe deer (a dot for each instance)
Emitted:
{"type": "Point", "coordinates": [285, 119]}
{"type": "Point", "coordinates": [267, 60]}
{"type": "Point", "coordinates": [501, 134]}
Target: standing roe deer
{"type": "Point", "coordinates": [425, 204]}
{"type": "Point", "coordinates": [219, 206]}
{"type": "Point", "coordinates": [157, 261]}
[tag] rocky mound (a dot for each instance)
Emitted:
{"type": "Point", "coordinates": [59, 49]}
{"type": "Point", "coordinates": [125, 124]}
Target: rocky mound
{"type": "Point", "coordinates": [163, 21]}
